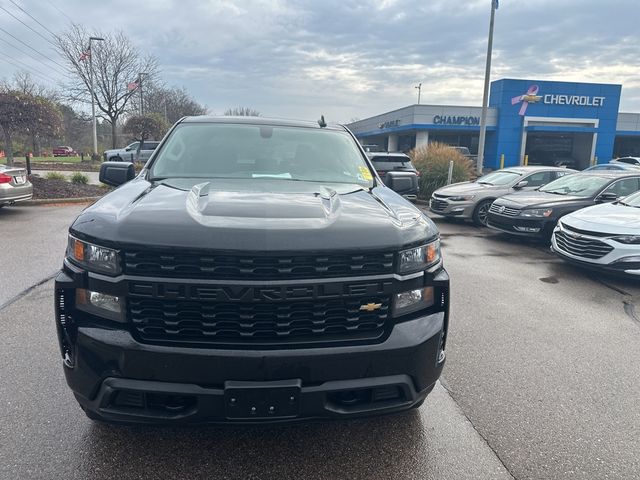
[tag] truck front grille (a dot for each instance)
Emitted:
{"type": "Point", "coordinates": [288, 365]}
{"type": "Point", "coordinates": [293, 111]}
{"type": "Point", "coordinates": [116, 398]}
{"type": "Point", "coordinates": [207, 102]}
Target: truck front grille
{"type": "Point", "coordinates": [259, 323]}
{"type": "Point", "coordinates": [227, 313]}
{"type": "Point", "coordinates": [210, 265]}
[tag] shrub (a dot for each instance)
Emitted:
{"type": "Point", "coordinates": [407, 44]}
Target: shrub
{"type": "Point", "coordinates": [432, 161]}
{"type": "Point", "coordinates": [55, 176]}
{"type": "Point", "coordinates": [79, 178]}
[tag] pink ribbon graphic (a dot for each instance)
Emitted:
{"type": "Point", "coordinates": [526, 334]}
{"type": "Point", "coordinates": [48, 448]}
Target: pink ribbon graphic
{"type": "Point", "coordinates": [526, 98]}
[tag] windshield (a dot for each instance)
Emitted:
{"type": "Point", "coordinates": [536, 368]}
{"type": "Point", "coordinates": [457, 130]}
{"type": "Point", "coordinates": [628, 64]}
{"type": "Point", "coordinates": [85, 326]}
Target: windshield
{"type": "Point", "coordinates": [578, 185]}
{"type": "Point", "coordinates": [216, 150]}
{"type": "Point", "coordinates": [503, 177]}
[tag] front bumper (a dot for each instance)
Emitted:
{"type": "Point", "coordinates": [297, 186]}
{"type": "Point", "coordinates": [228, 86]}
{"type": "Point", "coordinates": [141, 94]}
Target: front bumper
{"type": "Point", "coordinates": [118, 378]}
{"type": "Point", "coordinates": [613, 262]}
{"type": "Point", "coordinates": [523, 227]}
{"type": "Point", "coordinates": [447, 208]}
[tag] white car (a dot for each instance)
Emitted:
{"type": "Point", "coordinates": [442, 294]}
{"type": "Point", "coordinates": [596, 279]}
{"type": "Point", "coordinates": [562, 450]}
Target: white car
{"type": "Point", "coordinates": [605, 236]}
{"type": "Point", "coordinates": [130, 152]}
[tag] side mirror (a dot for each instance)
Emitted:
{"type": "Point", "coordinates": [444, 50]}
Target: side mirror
{"type": "Point", "coordinates": [128, 149]}
{"type": "Point", "coordinates": [521, 184]}
{"type": "Point", "coordinates": [116, 173]}
{"type": "Point", "coordinates": [401, 181]}
{"type": "Point", "coordinates": [607, 197]}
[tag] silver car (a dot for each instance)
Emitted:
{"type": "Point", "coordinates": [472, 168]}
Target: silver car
{"type": "Point", "coordinates": [471, 200]}
{"type": "Point", "coordinates": [14, 185]}
{"type": "Point", "coordinates": [130, 152]}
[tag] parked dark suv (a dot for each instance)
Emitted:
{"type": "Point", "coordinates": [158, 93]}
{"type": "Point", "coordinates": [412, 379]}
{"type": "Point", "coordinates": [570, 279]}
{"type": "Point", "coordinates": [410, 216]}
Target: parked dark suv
{"type": "Point", "coordinates": [385, 162]}
{"type": "Point", "coordinates": [254, 271]}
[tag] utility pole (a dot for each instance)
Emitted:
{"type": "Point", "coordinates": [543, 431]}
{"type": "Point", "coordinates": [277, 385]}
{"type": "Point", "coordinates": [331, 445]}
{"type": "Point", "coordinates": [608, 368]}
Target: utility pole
{"type": "Point", "coordinates": [141, 96]}
{"type": "Point", "coordinates": [485, 93]}
{"type": "Point", "coordinates": [419, 88]}
{"type": "Point", "coordinates": [93, 95]}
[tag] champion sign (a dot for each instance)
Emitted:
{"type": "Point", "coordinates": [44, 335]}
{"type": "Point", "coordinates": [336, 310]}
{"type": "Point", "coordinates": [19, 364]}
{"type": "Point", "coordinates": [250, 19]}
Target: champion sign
{"type": "Point", "coordinates": [456, 120]}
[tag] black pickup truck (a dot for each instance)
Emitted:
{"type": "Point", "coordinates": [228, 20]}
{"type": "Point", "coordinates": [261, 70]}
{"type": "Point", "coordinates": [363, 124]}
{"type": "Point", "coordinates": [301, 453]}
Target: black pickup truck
{"type": "Point", "coordinates": [254, 271]}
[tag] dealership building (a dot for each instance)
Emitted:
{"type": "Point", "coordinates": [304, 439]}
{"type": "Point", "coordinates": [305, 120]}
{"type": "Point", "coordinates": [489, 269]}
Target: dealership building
{"type": "Point", "coordinates": [548, 122]}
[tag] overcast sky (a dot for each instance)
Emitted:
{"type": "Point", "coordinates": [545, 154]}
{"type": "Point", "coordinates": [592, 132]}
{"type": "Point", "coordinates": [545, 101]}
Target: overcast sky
{"type": "Point", "coordinates": [348, 59]}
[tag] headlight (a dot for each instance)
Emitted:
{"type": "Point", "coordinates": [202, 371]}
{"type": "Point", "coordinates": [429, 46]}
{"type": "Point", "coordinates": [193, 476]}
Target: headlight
{"type": "Point", "coordinates": [462, 198]}
{"type": "Point", "coordinates": [628, 239]}
{"type": "Point", "coordinates": [419, 258]}
{"type": "Point", "coordinates": [537, 212]}
{"type": "Point", "coordinates": [100, 304]}
{"type": "Point", "coordinates": [93, 257]}
{"type": "Point", "coordinates": [412, 301]}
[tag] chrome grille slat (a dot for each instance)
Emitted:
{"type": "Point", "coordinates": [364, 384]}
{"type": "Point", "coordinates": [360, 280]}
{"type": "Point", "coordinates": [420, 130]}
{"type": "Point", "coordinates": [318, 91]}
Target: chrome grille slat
{"type": "Point", "coordinates": [508, 211]}
{"type": "Point", "coordinates": [582, 247]}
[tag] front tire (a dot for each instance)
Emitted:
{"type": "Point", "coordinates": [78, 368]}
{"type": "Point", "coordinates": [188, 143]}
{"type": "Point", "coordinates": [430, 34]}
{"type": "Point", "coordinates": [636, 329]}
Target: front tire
{"type": "Point", "coordinates": [481, 213]}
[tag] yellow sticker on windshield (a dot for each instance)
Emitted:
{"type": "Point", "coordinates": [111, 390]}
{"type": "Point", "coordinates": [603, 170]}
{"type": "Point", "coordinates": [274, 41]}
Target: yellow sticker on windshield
{"type": "Point", "coordinates": [366, 173]}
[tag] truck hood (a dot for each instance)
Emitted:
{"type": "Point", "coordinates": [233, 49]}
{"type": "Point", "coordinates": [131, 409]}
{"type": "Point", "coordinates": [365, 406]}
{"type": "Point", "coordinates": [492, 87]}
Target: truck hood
{"type": "Point", "coordinates": [253, 215]}
{"type": "Point", "coordinates": [606, 218]}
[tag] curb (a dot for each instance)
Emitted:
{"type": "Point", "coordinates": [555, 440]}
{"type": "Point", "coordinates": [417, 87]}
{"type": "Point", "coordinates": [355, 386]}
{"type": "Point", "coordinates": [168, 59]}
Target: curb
{"type": "Point", "coordinates": [49, 201]}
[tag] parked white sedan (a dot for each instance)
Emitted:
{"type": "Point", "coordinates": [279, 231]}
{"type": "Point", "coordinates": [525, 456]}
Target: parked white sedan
{"type": "Point", "coordinates": [604, 236]}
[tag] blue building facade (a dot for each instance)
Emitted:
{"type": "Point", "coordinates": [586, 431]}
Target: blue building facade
{"type": "Point", "coordinates": [584, 114]}
{"type": "Point", "coordinates": [529, 121]}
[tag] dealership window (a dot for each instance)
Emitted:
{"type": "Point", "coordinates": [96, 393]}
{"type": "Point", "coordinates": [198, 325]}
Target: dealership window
{"type": "Point", "coordinates": [406, 143]}
{"type": "Point", "coordinates": [457, 140]}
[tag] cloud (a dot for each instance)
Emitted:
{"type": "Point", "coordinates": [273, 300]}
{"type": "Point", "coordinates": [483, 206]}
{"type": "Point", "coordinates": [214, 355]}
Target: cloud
{"type": "Point", "coordinates": [302, 58]}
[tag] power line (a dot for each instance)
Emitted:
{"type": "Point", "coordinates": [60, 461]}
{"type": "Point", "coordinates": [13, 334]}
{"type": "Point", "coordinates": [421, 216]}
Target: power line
{"type": "Point", "coordinates": [31, 48]}
{"type": "Point", "coordinates": [56, 7]}
{"type": "Point", "coordinates": [24, 66]}
{"type": "Point", "coordinates": [28, 26]}
{"type": "Point", "coordinates": [34, 19]}
{"type": "Point", "coordinates": [31, 55]}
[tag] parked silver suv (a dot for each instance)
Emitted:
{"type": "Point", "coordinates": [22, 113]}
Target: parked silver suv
{"type": "Point", "coordinates": [130, 152]}
{"type": "Point", "coordinates": [471, 200]}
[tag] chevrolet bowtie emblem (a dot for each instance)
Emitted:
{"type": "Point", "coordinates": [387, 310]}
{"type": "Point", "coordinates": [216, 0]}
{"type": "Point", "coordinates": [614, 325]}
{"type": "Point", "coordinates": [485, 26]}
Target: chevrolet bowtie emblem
{"type": "Point", "coordinates": [370, 307]}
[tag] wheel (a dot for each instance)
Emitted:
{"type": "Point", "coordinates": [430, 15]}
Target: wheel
{"type": "Point", "coordinates": [481, 213]}
{"type": "Point", "coordinates": [116, 159]}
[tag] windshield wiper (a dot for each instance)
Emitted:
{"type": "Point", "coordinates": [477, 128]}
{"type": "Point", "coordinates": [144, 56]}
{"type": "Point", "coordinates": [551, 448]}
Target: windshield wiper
{"type": "Point", "coordinates": [485, 183]}
{"type": "Point", "coordinates": [555, 192]}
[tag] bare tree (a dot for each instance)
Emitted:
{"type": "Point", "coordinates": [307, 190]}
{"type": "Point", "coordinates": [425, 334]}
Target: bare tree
{"type": "Point", "coordinates": [242, 112]}
{"type": "Point", "coordinates": [143, 127]}
{"type": "Point", "coordinates": [171, 103]}
{"type": "Point", "coordinates": [116, 64]}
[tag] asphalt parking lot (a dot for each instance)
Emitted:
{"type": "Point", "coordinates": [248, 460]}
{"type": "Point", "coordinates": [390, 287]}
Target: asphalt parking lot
{"type": "Point", "coordinates": [541, 382]}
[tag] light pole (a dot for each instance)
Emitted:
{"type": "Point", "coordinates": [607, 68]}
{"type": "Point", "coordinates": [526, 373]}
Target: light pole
{"type": "Point", "coordinates": [141, 97]}
{"type": "Point", "coordinates": [419, 88]}
{"type": "Point", "coordinates": [485, 93]}
{"type": "Point", "coordinates": [93, 95]}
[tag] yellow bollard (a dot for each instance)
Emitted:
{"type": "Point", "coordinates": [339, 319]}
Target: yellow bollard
{"type": "Point", "coordinates": [526, 160]}
{"type": "Point", "coordinates": [501, 161]}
